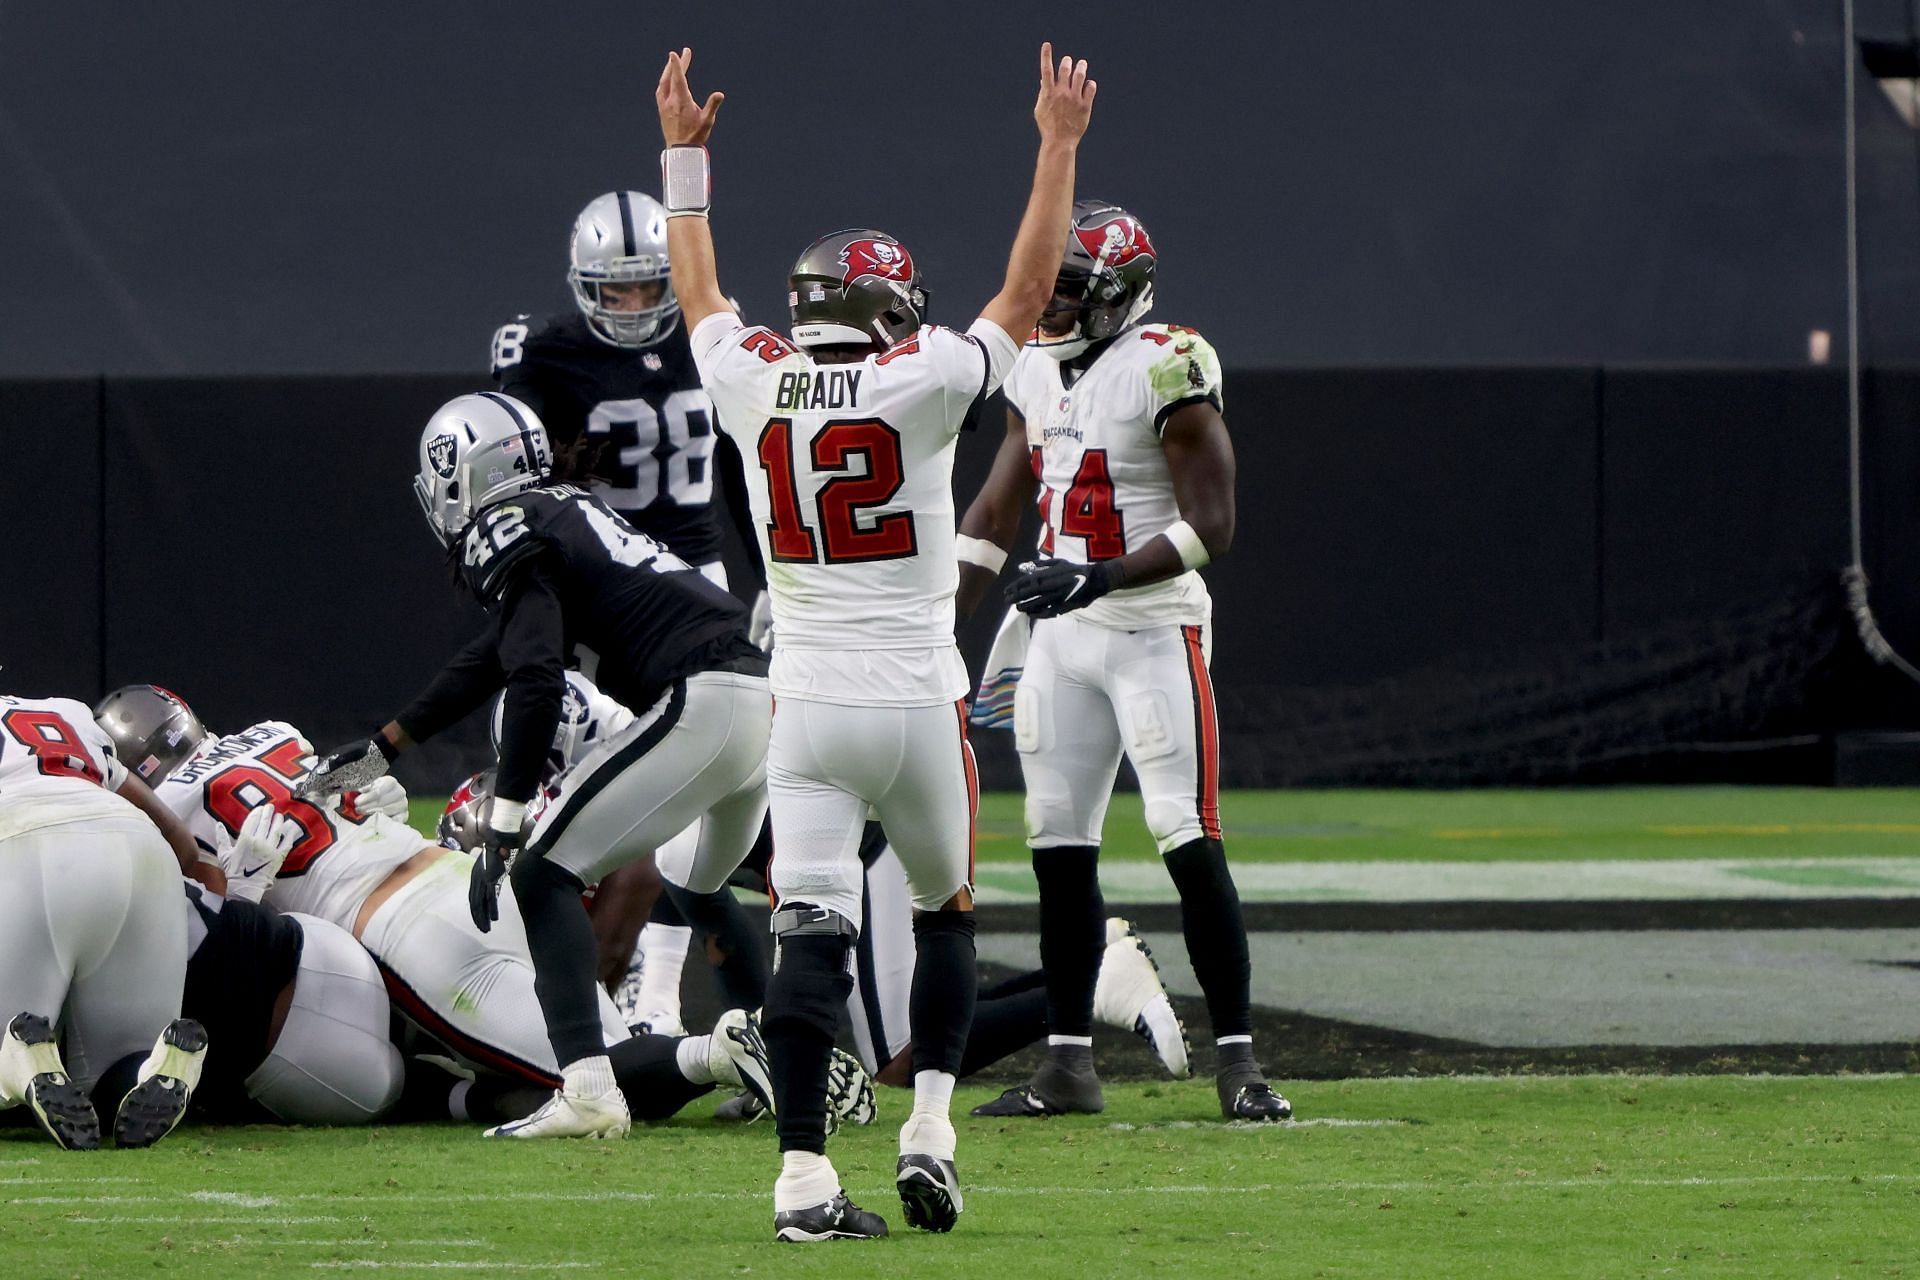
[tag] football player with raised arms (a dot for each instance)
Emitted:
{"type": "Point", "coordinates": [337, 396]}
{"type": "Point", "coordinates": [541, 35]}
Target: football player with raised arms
{"type": "Point", "coordinates": [563, 579]}
{"type": "Point", "coordinates": [852, 419]}
{"type": "Point", "coordinates": [615, 386]}
{"type": "Point", "coordinates": [1115, 427]}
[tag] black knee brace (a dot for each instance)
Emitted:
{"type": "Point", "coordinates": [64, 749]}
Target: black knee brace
{"type": "Point", "coordinates": [805, 998]}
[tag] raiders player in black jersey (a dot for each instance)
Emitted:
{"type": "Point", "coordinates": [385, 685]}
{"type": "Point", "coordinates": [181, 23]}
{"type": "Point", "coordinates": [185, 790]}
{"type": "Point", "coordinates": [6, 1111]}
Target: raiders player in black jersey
{"type": "Point", "coordinates": [561, 575]}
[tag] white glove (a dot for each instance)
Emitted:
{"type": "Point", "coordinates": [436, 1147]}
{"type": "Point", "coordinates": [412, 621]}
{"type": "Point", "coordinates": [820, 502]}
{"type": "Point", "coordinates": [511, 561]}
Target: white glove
{"type": "Point", "coordinates": [384, 796]}
{"type": "Point", "coordinates": [760, 623]}
{"type": "Point", "coordinates": [261, 847]}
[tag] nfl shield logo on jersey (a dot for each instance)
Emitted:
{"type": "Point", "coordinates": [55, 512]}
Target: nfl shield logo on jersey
{"type": "Point", "coordinates": [652, 361]}
{"type": "Point", "coordinates": [440, 454]}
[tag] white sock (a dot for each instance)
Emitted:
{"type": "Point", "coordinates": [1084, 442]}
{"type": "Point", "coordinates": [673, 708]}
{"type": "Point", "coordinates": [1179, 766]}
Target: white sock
{"type": "Point", "coordinates": [932, 1093]}
{"type": "Point", "coordinates": [663, 950]}
{"type": "Point", "coordinates": [1085, 1042]}
{"type": "Point", "coordinates": [805, 1180]}
{"type": "Point", "coordinates": [690, 1055]}
{"type": "Point", "coordinates": [588, 1077]}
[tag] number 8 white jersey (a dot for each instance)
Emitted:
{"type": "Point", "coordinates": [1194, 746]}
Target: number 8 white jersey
{"type": "Point", "coordinates": [1105, 488]}
{"type": "Point", "coordinates": [850, 475]}
{"type": "Point", "coordinates": [56, 765]}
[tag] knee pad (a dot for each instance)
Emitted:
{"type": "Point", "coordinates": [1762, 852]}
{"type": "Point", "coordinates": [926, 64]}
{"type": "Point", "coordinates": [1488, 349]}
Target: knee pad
{"type": "Point", "coordinates": [812, 976]}
{"type": "Point", "coordinates": [1173, 823]}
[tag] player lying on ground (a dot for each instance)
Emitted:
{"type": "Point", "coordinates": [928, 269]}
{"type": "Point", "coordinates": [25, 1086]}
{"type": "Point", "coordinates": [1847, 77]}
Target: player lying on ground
{"type": "Point", "coordinates": [615, 386]}
{"type": "Point", "coordinates": [92, 938]}
{"type": "Point", "coordinates": [559, 573]}
{"type": "Point", "coordinates": [1115, 426]}
{"type": "Point", "coordinates": [407, 902]}
{"type": "Point", "coordinates": [853, 422]}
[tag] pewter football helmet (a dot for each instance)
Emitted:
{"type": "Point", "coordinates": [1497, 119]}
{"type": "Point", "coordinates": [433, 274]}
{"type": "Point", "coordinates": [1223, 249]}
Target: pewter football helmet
{"type": "Point", "coordinates": [153, 731]}
{"type": "Point", "coordinates": [475, 451]}
{"type": "Point", "coordinates": [460, 822]}
{"type": "Point", "coordinates": [1105, 280]}
{"type": "Point", "coordinates": [621, 238]}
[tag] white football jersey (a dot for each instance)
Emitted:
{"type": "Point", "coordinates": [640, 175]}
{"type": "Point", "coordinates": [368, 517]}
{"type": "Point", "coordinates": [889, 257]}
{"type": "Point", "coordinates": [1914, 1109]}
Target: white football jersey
{"type": "Point", "coordinates": [850, 476]}
{"type": "Point", "coordinates": [1104, 485]}
{"type": "Point", "coordinates": [342, 855]}
{"type": "Point", "coordinates": [56, 765]}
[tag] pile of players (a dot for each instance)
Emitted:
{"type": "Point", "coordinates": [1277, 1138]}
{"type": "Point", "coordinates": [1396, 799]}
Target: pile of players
{"type": "Point", "coordinates": [635, 725]}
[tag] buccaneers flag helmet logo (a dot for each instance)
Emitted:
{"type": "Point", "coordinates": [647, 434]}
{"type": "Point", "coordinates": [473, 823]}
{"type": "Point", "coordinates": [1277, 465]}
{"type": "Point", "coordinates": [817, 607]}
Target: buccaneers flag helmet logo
{"type": "Point", "coordinates": [880, 259]}
{"type": "Point", "coordinates": [1116, 242]}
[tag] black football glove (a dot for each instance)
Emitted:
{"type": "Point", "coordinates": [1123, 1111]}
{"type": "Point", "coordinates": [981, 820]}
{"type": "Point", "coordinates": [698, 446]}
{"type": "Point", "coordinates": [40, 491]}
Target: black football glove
{"type": "Point", "coordinates": [348, 768]}
{"type": "Point", "coordinates": [1049, 588]}
{"type": "Point", "coordinates": [490, 866]}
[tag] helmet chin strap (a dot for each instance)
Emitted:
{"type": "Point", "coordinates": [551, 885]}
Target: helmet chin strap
{"type": "Point", "coordinates": [1061, 349]}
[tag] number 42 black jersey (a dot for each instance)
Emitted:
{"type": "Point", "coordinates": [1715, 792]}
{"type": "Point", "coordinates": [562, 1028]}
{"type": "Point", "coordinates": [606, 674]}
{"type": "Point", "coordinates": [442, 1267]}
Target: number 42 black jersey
{"type": "Point", "coordinates": [637, 610]}
{"type": "Point", "coordinates": [643, 406]}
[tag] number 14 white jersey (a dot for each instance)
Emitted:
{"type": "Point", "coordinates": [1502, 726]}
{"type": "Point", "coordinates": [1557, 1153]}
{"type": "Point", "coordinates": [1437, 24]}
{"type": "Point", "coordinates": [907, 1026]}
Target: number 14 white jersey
{"type": "Point", "coordinates": [850, 477]}
{"type": "Point", "coordinates": [1095, 445]}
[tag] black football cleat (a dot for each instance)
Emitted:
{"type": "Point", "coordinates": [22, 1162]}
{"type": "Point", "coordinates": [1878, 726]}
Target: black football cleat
{"type": "Point", "coordinates": [165, 1086]}
{"type": "Point", "coordinates": [31, 1073]}
{"type": "Point", "coordinates": [1254, 1100]}
{"type": "Point", "coordinates": [929, 1192]}
{"type": "Point", "coordinates": [837, 1219]}
{"type": "Point", "coordinates": [1063, 1086]}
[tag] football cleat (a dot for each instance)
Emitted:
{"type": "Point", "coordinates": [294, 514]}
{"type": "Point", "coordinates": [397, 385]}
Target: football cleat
{"type": "Point", "coordinates": [1130, 995]}
{"type": "Point", "coordinates": [738, 1056]}
{"type": "Point", "coordinates": [837, 1219]}
{"type": "Point", "coordinates": [1059, 1088]}
{"type": "Point", "coordinates": [32, 1074]}
{"type": "Point", "coordinates": [626, 997]}
{"type": "Point", "coordinates": [661, 1022]}
{"type": "Point", "coordinates": [929, 1192]}
{"type": "Point", "coordinates": [572, 1115]}
{"type": "Point", "coordinates": [849, 1092]}
{"type": "Point", "coordinates": [163, 1087]}
{"type": "Point", "coordinates": [1254, 1100]}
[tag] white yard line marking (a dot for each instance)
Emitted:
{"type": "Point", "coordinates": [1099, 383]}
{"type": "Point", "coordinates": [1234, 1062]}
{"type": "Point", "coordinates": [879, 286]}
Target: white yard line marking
{"type": "Point", "coordinates": [239, 1199]}
{"type": "Point", "coordinates": [47, 1182]}
{"type": "Point", "coordinates": [1255, 1126]}
{"type": "Point", "coordinates": [251, 1220]}
{"type": "Point", "coordinates": [374, 1264]}
{"type": "Point", "coordinates": [27, 1160]}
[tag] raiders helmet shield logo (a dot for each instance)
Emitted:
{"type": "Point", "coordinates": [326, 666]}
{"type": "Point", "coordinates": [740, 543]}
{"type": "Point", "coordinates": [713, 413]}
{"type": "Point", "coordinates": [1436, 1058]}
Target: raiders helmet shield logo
{"type": "Point", "coordinates": [440, 455]}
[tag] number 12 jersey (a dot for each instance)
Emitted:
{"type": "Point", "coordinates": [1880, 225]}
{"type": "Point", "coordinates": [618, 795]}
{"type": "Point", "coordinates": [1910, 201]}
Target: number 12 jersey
{"type": "Point", "coordinates": [850, 477]}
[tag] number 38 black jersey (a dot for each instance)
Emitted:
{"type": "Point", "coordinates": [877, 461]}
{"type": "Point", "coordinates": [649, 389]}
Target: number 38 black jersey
{"type": "Point", "coordinates": [644, 407]}
{"type": "Point", "coordinates": [633, 612]}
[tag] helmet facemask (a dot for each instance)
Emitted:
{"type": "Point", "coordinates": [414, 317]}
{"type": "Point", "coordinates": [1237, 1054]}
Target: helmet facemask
{"type": "Point", "coordinates": [621, 239]}
{"type": "Point", "coordinates": [477, 450]}
{"type": "Point", "coordinates": [1105, 281]}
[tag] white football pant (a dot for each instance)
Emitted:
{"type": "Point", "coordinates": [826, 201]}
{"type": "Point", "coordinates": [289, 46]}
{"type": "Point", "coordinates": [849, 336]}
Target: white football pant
{"type": "Point", "coordinates": [333, 1062]}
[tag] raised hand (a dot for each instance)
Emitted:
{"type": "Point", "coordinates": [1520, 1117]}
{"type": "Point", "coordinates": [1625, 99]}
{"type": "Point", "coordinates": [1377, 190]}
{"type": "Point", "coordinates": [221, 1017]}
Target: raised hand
{"type": "Point", "coordinates": [1066, 98]}
{"type": "Point", "coordinates": [684, 122]}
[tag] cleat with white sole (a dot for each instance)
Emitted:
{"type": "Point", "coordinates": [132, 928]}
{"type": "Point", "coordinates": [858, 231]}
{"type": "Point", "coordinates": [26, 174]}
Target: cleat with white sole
{"type": "Point", "coordinates": [661, 1022]}
{"type": "Point", "coordinates": [738, 1056]}
{"type": "Point", "coordinates": [850, 1097]}
{"type": "Point", "coordinates": [929, 1192]}
{"type": "Point", "coordinates": [163, 1086]}
{"type": "Point", "coordinates": [1255, 1100]}
{"type": "Point", "coordinates": [1130, 995]}
{"type": "Point", "coordinates": [32, 1074]}
{"type": "Point", "coordinates": [572, 1115]}
{"type": "Point", "coordinates": [742, 1108]}
{"type": "Point", "coordinates": [837, 1219]}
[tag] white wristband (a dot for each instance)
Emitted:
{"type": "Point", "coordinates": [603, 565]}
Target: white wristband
{"type": "Point", "coordinates": [979, 551]}
{"type": "Point", "coordinates": [1193, 552]}
{"type": "Point", "coordinates": [686, 182]}
{"type": "Point", "coordinates": [507, 815]}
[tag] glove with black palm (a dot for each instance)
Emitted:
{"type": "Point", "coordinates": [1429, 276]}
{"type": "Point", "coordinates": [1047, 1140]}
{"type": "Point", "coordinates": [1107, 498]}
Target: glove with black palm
{"type": "Point", "coordinates": [1049, 588]}
{"type": "Point", "coordinates": [348, 768]}
{"type": "Point", "coordinates": [501, 837]}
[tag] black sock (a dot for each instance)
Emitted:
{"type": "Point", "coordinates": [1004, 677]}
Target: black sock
{"type": "Point", "coordinates": [945, 986]}
{"type": "Point", "coordinates": [560, 940]}
{"type": "Point", "coordinates": [648, 1071]}
{"type": "Point", "coordinates": [1073, 934]}
{"type": "Point", "coordinates": [114, 1084]}
{"type": "Point", "coordinates": [743, 956]}
{"type": "Point", "coordinates": [1216, 935]}
{"type": "Point", "coordinates": [1003, 1025]}
{"type": "Point", "coordinates": [805, 997]}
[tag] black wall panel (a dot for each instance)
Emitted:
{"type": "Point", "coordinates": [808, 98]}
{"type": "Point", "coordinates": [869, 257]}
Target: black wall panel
{"type": "Point", "coordinates": [50, 527]}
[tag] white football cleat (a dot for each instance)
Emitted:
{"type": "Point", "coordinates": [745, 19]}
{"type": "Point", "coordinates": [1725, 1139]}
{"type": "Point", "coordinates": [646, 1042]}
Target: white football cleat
{"type": "Point", "coordinates": [163, 1086]}
{"type": "Point", "coordinates": [572, 1115]}
{"type": "Point", "coordinates": [32, 1074]}
{"type": "Point", "coordinates": [661, 1022]}
{"type": "Point", "coordinates": [738, 1056]}
{"type": "Point", "coordinates": [626, 996]}
{"type": "Point", "coordinates": [1130, 995]}
{"type": "Point", "coordinates": [850, 1097]}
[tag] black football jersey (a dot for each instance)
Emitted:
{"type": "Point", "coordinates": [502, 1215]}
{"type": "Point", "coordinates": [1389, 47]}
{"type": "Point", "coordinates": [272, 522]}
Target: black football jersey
{"type": "Point", "coordinates": [632, 610]}
{"type": "Point", "coordinates": [645, 406]}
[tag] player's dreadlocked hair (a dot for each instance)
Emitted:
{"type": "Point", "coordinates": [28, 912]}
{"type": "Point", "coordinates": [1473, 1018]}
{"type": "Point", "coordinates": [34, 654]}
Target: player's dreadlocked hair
{"type": "Point", "coordinates": [578, 461]}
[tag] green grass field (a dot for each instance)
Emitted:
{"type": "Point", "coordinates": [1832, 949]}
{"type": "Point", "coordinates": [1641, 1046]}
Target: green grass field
{"type": "Point", "coordinates": [1585, 1176]}
{"type": "Point", "coordinates": [1448, 826]}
